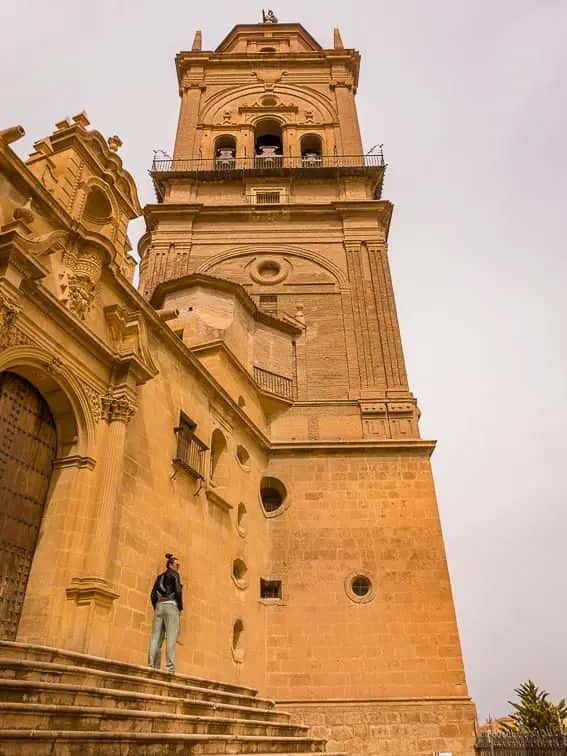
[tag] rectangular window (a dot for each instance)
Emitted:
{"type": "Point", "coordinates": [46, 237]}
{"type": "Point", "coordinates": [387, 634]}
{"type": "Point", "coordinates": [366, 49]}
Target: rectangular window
{"type": "Point", "coordinates": [269, 303]}
{"type": "Point", "coordinates": [270, 589]}
{"type": "Point", "coordinates": [191, 451]}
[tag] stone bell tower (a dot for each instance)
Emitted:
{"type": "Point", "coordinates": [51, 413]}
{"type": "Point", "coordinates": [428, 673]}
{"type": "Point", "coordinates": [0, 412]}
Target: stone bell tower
{"type": "Point", "coordinates": [269, 191]}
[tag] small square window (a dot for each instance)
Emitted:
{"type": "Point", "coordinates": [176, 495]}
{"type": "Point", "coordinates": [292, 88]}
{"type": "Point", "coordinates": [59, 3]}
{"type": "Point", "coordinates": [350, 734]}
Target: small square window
{"type": "Point", "coordinates": [270, 589]}
{"type": "Point", "coordinates": [269, 303]}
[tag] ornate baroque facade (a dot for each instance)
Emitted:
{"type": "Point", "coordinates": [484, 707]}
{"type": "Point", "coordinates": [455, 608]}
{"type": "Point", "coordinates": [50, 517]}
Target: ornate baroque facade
{"type": "Point", "coordinates": [247, 408]}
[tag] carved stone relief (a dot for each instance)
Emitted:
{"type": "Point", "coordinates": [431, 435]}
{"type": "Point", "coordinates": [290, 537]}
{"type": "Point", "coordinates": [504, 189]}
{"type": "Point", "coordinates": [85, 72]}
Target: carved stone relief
{"type": "Point", "coordinates": [79, 278]}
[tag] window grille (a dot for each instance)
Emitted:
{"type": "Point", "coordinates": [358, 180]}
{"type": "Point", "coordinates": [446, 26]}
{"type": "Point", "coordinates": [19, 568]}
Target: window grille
{"type": "Point", "coordinates": [268, 198]}
{"type": "Point", "coordinates": [191, 451]}
{"type": "Point", "coordinates": [269, 303]}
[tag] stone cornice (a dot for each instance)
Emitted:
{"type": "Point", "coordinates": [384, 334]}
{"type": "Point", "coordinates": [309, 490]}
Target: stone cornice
{"type": "Point", "coordinates": [354, 207]}
{"type": "Point", "coordinates": [424, 700]}
{"type": "Point", "coordinates": [418, 446]}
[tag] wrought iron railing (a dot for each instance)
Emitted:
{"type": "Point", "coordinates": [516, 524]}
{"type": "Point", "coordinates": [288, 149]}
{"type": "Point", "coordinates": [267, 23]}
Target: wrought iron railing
{"type": "Point", "coordinates": [266, 198]}
{"type": "Point", "coordinates": [274, 383]}
{"type": "Point", "coordinates": [513, 744]}
{"type": "Point", "coordinates": [191, 452]}
{"type": "Point", "coordinates": [269, 163]}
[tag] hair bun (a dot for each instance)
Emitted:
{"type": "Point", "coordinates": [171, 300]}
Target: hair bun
{"type": "Point", "coordinates": [168, 556]}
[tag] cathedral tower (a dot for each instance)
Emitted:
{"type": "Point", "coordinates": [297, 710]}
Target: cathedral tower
{"type": "Point", "coordinates": [267, 249]}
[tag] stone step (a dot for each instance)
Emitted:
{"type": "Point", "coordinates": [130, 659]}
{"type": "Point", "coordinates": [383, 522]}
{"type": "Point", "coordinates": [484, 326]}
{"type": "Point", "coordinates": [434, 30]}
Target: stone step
{"type": "Point", "coordinates": [15, 650]}
{"type": "Point", "coordinates": [94, 743]}
{"type": "Point", "coordinates": [68, 694]}
{"type": "Point", "coordinates": [144, 679]}
{"type": "Point", "coordinates": [32, 716]}
{"type": "Point", "coordinates": [31, 669]}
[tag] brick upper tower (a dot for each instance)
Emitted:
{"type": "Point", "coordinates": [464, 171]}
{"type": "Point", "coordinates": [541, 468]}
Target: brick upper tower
{"type": "Point", "coordinates": [266, 253]}
{"type": "Point", "coordinates": [269, 187]}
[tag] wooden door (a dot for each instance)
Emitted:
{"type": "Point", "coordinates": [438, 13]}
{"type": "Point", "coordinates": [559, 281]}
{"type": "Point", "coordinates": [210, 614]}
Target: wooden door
{"type": "Point", "coordinates": [27, 449]}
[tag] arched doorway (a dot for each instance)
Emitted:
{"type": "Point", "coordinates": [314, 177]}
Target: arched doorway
{"type": "Point", "coordinates": [28, 443]}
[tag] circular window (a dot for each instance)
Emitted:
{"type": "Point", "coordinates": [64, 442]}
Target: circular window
{"type": "Point", "coordinates": [273, 494]}
{"type": "Point", "coordinates": [268, 270]}
{"type": "Point", "coordinates": [237, 644]}
{"type": "Point", "coordinates": [361, 585]}
{"type": "Point", "coordinates": [241, 519]}
{"type": "Point", "coordinates": [359, 588]}
{"type": "Point", "coordinates": [239, 571]}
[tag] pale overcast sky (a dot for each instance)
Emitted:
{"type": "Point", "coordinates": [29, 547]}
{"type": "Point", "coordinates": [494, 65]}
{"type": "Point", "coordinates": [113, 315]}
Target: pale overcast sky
{"type": "Point", "coordinates": [469, 100]}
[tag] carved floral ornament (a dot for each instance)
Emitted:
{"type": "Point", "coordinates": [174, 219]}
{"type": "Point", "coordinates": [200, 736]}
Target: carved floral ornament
{"type": "Point", "coordinates": [10, 335]}
{"type": "Point", "coordinates": [120, 408]}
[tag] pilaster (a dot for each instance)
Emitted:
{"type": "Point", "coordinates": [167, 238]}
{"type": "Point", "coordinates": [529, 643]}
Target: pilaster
{"type": "Point", "coordinates": [188, 117]}
{"type": "Point", "coordinates": [394, 364]}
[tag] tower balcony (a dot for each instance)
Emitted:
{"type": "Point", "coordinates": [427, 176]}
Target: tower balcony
{"type": "Point", "coordinates": [217, 167]}
{"type": "Point", "coordinates": [229, 167]}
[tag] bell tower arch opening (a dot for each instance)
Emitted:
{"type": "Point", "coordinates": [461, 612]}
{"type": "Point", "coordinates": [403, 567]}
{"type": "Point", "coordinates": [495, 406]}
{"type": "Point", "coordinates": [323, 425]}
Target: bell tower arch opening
{"type": "Point", "coordinates": [28, 446]}
{"type": "Point", "coordinates": [268, 142]}
{"type": "Point", "coordinates": [225, 151]}
{"type": "Point", "coordinates": [311, 149]}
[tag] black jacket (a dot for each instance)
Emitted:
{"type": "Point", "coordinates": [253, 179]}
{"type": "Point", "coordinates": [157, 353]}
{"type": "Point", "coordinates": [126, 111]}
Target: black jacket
{"type": "Point", "coordinates": [167, 587]}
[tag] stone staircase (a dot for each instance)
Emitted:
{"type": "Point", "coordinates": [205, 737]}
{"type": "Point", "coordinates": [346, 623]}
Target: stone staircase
{"type": "Point", "coordinates": [63, 703]}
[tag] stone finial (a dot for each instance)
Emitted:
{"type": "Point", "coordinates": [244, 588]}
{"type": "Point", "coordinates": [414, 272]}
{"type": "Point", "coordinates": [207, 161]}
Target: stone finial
{"type": "Point", "coordinates": [299, 313]}
{"type": "Point", "coordinates": [197, 40]}
{"type": "Point", "coordinates": [337, 40]}
{"type": "Point", "coordinates": [43, 146]}
{"type": "Point", "coordinates": [114, 143]}
{"type": "Point", "coordinates": [81, 119]}
{"type": "Point", "coordinates": [11, 134]}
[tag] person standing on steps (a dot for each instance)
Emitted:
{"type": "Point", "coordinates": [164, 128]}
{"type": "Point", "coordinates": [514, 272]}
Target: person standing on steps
{"type": "Point", "coordinates": [167, 601]}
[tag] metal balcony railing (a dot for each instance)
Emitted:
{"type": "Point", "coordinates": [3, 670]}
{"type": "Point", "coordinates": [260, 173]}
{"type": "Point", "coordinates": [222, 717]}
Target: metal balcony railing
{"type": "Point", "coordinates": [267, 163]}
{"type": "Point", "coordinates": [274, 383]}
{"type": "Point", "coordinates": [190, 453]}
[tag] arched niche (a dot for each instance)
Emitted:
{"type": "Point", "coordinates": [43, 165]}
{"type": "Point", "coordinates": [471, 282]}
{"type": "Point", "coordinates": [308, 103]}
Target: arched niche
{"type": "Point", "coordinates": [98, 209]}
{"type": "Point", "coordinates": [218, 469]}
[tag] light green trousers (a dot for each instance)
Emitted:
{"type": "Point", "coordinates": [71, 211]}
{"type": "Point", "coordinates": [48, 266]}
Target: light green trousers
{"type": "Point", "coordinates": [166, 623]}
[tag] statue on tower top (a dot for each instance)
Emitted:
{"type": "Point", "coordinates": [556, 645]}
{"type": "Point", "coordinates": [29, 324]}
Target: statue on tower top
{"type": "Point", "coordinates": [268, 17]}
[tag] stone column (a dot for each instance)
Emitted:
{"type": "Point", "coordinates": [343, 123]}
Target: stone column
{"type": "Point", "coordinates": [117, 412]}
{"type": "Point", "coordinates": [88, 629]}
